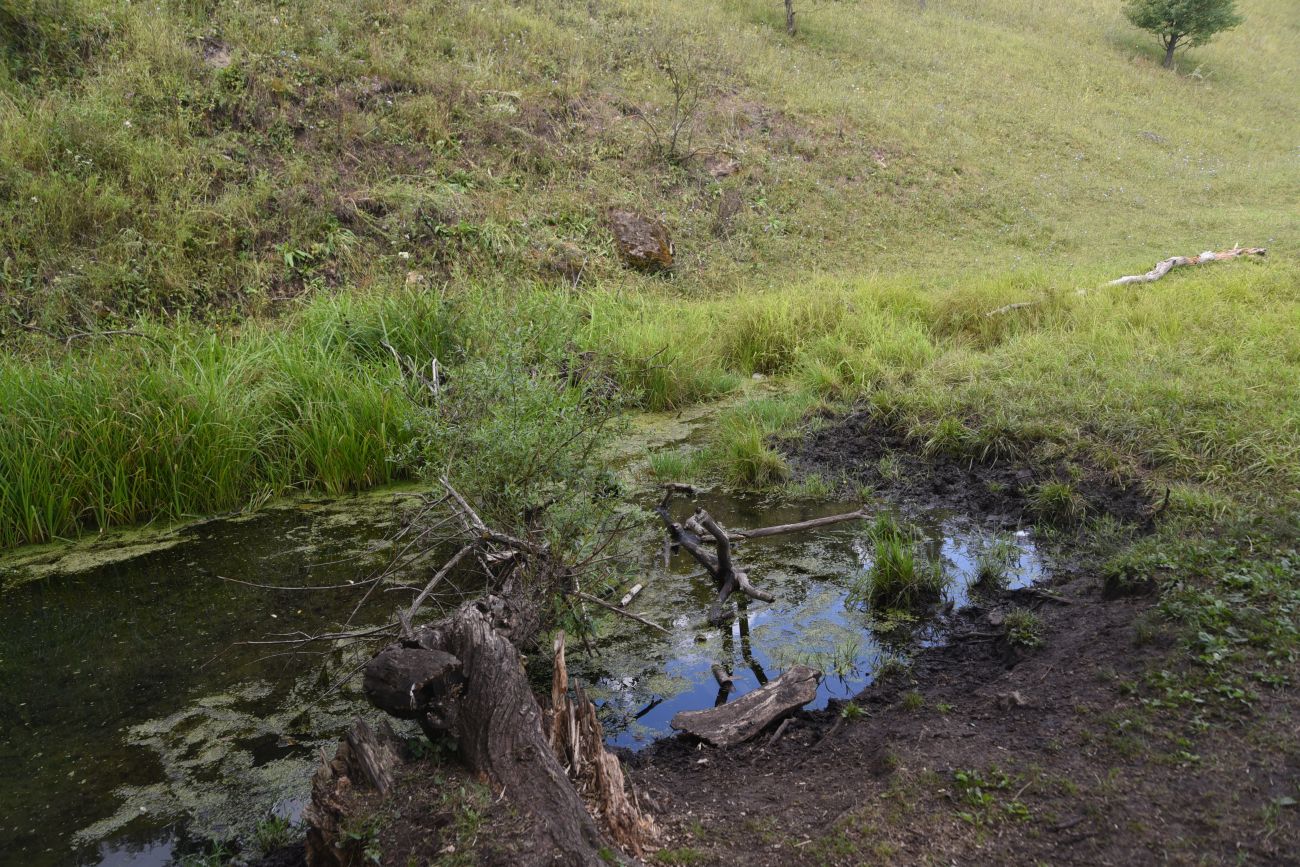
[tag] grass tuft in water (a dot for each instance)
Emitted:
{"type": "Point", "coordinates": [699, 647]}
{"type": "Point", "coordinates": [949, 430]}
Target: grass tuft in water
{"type": "Point", "coordinates": [994, 562]}
{"type": "Point", "coordinates": [901, 576]}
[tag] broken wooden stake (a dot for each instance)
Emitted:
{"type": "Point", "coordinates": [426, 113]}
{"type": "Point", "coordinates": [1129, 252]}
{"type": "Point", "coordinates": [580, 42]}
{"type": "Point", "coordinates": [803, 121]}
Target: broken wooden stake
{"type": "Point", "coordinates": [748, 715]}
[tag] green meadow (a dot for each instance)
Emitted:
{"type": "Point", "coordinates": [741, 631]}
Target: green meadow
{"type": "Point", "coordinates": [269, 195]}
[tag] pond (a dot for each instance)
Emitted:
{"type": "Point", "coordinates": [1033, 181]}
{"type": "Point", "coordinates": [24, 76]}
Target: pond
{"type": "Point", "coordinates": [135, 724]}
{"type": "Point", "coordinates": [640, 678]}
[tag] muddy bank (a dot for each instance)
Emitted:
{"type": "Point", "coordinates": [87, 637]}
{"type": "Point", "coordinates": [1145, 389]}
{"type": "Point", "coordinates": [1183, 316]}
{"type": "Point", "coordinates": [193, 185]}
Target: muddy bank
{"type": "Point", "coordinates": [981, 756]}
{"type": "Point", "coordinates": [859, 447]}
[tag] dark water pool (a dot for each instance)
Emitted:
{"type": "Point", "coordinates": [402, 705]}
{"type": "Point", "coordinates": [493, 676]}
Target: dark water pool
{"type": "Point", "coordinates": [131, 722]}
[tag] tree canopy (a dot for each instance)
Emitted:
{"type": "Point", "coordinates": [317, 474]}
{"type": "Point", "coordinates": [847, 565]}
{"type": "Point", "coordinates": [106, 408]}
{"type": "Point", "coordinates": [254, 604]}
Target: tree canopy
{"type": "Point", "coordinates": [1182, 22]}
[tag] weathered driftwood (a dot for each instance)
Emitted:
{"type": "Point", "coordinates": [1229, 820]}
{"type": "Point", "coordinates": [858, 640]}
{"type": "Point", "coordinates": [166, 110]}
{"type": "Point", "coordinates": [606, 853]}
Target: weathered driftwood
{"type": "Point", "coordinates": [578, 739]}
{"type": "Point", "coordinates": [1164, 267]}
{"type": "Point", "coordinates": [748, 715]}
{"type": "Point", "coordinates": [364, 761]}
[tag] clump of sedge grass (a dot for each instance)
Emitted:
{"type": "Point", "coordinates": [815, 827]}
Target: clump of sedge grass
{"type": "Point", "coordinates": [1058, 503]}
{"type": "Point", "coordinates": [901, 576]}
{"type": "Point", "coordinates": [994, 562]}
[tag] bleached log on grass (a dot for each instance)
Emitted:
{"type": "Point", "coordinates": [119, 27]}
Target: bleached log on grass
{"type": "Point", "coordinates": [1164, 267]}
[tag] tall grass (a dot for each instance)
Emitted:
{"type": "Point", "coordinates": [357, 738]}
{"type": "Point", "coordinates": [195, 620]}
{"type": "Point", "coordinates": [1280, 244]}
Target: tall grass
{"type": "Point", "coordinates": [203, 421]}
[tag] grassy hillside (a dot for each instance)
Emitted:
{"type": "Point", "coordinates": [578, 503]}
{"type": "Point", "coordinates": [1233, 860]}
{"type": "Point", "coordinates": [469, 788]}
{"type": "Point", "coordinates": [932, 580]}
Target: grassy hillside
{"type": "Point", "coordinates": [847, 206]}
{"type": "Point", "coordinates": [208, 157]}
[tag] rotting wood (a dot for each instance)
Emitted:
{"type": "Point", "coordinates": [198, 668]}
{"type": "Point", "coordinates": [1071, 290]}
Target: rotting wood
{"type": "Point", "coordinates": [463, 677]}
{"type": "Point", "coordinates": [363, 760]}
{"type": "Point", "coordinates": [491, 711]}
{"type": "Point", "coordinates": [747, 716]}
{"type": "Point", "coordinates": [1165, 266]}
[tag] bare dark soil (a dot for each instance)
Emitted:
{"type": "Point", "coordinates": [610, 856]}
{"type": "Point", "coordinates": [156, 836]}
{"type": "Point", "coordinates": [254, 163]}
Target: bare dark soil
{"type": "Point", "coordinates": [996, 490]}
{"type": "Point", "coordinates": [1068, 781]}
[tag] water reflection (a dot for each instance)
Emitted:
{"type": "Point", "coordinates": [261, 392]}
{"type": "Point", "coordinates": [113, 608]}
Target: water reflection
{"type": "Point", "coordinates": [641, 679]}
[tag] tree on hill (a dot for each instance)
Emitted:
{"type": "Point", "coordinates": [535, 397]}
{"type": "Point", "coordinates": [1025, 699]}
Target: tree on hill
{"type": "Point", "coordinates": [1182, 22]}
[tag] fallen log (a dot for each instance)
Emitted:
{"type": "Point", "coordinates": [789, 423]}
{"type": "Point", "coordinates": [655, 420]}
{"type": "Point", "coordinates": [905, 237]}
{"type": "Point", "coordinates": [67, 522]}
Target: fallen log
{"type": "Point", "coordinates": [747, 716]}
{"type": "Point", "coordinates": [1164, 267]}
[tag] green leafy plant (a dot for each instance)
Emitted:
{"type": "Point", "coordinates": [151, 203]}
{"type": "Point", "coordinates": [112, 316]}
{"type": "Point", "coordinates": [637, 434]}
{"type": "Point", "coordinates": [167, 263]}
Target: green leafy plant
{"type": "Point", "coordinates": [980, 799]}
{"type": "Point", "coordinates": [1023, 628]}
{"type": "Point", "coordinates": [1182, 22]}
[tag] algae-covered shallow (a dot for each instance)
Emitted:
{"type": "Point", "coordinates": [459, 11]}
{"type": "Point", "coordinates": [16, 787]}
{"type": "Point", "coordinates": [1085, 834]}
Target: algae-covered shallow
{"type": "Point", "coordinates": [131, 722]}
{"type": "Point", "coordinates": [640, 678]}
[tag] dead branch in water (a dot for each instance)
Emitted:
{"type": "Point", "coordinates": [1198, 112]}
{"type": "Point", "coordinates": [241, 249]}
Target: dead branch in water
{"type": "Point", "coordinates": [603, 604]}
{"type": "Point", "coordinates": [796, 527]}
{"type": "Point", "coordinates": [719, 564]}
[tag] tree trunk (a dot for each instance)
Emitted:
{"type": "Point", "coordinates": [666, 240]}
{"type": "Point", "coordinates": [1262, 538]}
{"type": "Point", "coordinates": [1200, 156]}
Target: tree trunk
{"type": "Point", "coordinates": [1170, 45]}
{"type": "Point", "coordinates": [462, 677]}
{"type": "Point", "coordinates": [789, 17]}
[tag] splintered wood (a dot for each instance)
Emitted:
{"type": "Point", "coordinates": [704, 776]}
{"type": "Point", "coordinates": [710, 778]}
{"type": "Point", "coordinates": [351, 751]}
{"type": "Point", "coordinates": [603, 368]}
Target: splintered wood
{"type": "Point", "coordinates": [579, 743]}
